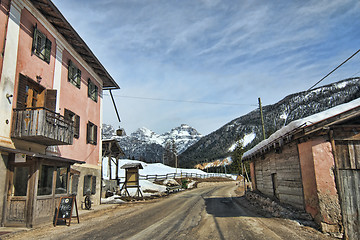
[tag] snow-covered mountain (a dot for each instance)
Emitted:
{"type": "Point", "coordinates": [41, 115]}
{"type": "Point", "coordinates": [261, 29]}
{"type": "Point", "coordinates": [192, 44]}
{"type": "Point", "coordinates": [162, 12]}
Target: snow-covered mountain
{"type": "Point", "coordinates": [146, 145]}
{"type": "Point", "coordinates": [247, 128]}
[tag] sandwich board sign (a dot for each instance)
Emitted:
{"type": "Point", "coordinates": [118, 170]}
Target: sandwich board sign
{"type": "Point", "coordinates": [65, 210]}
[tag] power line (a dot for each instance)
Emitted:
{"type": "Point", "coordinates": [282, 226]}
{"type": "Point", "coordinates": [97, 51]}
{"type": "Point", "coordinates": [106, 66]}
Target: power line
{"type": "Point", "coordinates": [184, 101]}
{"type": "Point", "coordinates": [334, 69]}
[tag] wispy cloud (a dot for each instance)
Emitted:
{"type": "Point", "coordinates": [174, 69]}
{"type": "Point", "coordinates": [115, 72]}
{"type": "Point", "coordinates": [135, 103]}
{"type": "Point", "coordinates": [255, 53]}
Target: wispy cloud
{"type": "Point", "coordinates": [212, 50]}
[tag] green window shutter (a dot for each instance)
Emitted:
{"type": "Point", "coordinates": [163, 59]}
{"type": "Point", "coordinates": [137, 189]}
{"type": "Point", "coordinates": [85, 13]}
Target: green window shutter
{"type": "Point", "coordinates": [89, 88]}
{"type": "Point", "coordinates": [47, 51]}
{"type": "Point", "coordinates": [88, 133]}
{"type": "Point", "coordinates": [93, 185]}
{"type": "Point", "coordinates": [35, 37]}
{"type": "Point", "coordinates": [77, 126]}
{"type": "Point", "coordinates": [96, 93]}
{"type": "Point", "coordinates": [78, 78]}
{"type": "Point", "coordinates": [95, 135]}
{"type": "Point", "coordinates": [70, 71]}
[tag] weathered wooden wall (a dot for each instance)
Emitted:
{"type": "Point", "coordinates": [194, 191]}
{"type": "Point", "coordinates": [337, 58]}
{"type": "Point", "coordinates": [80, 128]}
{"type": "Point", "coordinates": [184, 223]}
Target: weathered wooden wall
{"type": "Point", "coordinates": [287, 181]}
{"type": "Point", "coordinates": [348, 160]}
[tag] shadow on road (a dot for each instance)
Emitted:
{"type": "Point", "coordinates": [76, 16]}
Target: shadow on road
{"type": "Point", "coordinates": [226, 207]}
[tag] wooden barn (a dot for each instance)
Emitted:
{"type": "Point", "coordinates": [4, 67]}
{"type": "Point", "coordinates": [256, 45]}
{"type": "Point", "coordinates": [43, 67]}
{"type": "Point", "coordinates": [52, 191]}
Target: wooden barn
{"type": "Point", "coordinates": [314, 164]}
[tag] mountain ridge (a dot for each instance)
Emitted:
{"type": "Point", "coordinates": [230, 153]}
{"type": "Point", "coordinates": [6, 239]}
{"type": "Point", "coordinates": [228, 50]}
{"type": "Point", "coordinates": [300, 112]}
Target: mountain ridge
{"type": "Point", "coordinates": [144, 144]}
{"type": "Point", "coordinates": [216, 145]}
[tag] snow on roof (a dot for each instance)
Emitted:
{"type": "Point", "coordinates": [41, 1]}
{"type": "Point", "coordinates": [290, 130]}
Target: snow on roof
{"type": "Point", "coordinates": [132, 165]}
{"type": "Point", "coordinates": [302, 123]}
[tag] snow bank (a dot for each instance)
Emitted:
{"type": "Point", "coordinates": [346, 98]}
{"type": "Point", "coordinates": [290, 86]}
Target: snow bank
{"type": "Point", "coordinates": [112, 200]}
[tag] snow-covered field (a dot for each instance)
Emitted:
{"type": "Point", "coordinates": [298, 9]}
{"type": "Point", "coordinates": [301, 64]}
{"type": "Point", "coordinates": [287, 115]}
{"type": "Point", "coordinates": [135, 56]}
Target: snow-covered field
{"type": "Point", "coordinates": [147, 187]}
{"type": "Point", "coordinates": [149, 169]}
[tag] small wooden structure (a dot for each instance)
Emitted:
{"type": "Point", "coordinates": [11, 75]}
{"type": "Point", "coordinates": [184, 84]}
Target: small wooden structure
{"type": "Point", "coordinates": [132, 178]}
{"type": "Point", "coordinates": [111, 149]}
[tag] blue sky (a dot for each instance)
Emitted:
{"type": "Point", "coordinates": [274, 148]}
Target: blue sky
{"type": "Point", "coordinates": [213, 51]}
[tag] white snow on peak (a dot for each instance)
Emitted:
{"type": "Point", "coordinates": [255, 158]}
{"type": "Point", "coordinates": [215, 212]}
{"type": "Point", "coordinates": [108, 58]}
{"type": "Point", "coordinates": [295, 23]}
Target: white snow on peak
{"type": "Point", "coordinates": [305, 122]}
{"type": "Point", "coordinates": [341, 85]}
{"type": "Point", "coordinates": [184, 136]}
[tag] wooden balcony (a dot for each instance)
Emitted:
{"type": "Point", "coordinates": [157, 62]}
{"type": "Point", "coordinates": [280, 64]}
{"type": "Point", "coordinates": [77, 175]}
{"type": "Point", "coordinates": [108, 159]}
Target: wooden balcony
{"type": "Point", "coordinates": [42, 126]}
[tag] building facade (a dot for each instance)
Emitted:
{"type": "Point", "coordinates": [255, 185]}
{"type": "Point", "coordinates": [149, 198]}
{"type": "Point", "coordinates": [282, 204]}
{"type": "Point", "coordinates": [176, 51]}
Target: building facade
{"type": "Point", "coordinates": [50, 113]}
{"type": "Point", "coordinates": [313, 164]}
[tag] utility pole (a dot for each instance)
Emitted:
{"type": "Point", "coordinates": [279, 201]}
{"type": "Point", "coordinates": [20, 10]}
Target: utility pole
{"type": "Point", "coordinates": [262, 119]}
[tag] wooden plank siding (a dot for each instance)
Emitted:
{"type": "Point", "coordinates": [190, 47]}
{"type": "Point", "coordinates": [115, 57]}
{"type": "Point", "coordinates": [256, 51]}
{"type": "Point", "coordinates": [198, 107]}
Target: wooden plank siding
{"type": "Point", "coordinates": [286, 166]}
{"type": "Point", "coordinates": [348, 156]}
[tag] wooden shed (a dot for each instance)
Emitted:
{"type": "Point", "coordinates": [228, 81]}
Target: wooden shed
{"type": "Point", "coordinates": [313, 164]}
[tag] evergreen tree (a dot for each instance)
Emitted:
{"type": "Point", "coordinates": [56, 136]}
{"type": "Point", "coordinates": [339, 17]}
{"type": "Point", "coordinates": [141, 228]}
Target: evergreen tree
{"type": "Point", "coordinates": [236, 155]}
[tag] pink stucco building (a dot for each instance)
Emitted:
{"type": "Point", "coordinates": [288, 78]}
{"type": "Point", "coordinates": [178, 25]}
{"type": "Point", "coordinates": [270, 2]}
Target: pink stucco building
{"type": "Point", "coordinates": [50, 113]}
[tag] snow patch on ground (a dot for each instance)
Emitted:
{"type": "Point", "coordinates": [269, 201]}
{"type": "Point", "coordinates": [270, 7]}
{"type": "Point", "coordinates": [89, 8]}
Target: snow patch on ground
{"type": "Point", "coordinates": [112, 200]}
{"type": "Point", "coordinates": [248, 138]}
{"type": "Point", "coordinates": [149, 168]}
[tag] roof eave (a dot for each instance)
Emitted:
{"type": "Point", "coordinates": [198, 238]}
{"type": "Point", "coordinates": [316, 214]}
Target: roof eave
{"type": "Point", "coordinates": [54, 16]}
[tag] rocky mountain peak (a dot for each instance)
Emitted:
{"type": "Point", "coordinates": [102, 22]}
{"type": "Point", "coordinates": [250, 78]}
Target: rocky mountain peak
{"type": "Point", "coordinates": [149, 146]}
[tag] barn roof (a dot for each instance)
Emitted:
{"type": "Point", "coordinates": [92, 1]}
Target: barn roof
{"type": "Point", "coordinates": [306, 126]}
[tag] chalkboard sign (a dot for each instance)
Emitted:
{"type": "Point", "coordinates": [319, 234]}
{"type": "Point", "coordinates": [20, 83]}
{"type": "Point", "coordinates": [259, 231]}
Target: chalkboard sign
{"type": "Point", "coordinates": [65, 209]}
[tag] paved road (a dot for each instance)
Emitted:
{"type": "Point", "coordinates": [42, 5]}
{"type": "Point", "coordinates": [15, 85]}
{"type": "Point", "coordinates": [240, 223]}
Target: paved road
{"type": "Point", "coordinates": [210, 212]}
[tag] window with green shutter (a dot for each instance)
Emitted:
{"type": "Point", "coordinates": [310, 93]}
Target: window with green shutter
{"type": "Point", "coordinates": [41, 46]}
{"type": "Point", "coordinates": [74, 74]}
{"type": "Point", "coordinates": [69, 115]}
{"type": "Point", "coordinates": [92, 90]}
{"type": "Point", "coordinates": [91, 136]}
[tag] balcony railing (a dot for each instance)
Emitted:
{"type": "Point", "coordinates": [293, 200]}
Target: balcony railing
{"type": "Point", "coordinates": [42, 126]}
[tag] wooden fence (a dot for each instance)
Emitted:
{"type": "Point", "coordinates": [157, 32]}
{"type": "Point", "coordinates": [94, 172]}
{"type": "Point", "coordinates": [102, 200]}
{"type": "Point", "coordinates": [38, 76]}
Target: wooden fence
{"type": "Point", "coordinates": [156, 177]}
